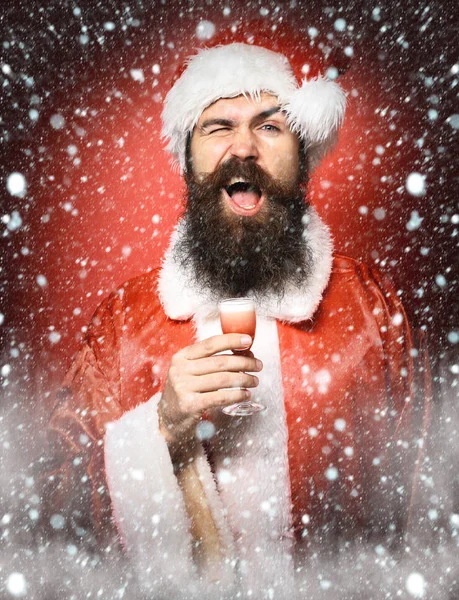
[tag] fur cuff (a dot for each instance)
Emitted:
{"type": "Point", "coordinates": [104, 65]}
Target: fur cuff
{"type": "Point", "coordinates": [147, 503]}
{"type": "Point", "coordinates": [149, 509]}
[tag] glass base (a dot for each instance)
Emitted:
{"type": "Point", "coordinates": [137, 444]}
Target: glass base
{"type": "Point", "coordinates": [243, 409]}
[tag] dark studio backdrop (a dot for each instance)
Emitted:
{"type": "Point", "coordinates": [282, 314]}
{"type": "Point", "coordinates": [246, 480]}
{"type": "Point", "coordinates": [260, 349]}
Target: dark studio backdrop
{"type": "Point", "coordinates": [89, 198]}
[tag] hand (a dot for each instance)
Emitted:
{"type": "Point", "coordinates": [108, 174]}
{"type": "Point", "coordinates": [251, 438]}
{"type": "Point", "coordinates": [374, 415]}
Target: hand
{"type": "Point", "coordinates": [195, 383]}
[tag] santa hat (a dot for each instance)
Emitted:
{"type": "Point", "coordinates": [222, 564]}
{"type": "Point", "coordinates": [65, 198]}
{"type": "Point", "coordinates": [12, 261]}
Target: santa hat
{"type": "Point", "coordinates": [315, 109]}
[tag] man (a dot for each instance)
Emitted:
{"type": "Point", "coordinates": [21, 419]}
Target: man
{"type": "Point", "coordinates": [203, 501]}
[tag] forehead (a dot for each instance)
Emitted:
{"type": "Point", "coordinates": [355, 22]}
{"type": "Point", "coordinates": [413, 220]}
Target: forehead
{"type": "Point", "coordinates": [240, 108]}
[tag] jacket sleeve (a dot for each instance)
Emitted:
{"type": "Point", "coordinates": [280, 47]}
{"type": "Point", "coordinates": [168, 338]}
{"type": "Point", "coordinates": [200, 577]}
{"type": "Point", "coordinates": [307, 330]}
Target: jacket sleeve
{"type": "Point", "coordinates": [111, 474]}
{"type": "Point", "coordinates": [409, 385]}
{"type": "Point", "coordinates": [74, 485]}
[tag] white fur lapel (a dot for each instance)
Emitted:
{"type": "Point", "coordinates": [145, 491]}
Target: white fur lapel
{"type": "Point", "coordinates": [250, 459]}
{"type": "Point", "coordinates": [182, 297]}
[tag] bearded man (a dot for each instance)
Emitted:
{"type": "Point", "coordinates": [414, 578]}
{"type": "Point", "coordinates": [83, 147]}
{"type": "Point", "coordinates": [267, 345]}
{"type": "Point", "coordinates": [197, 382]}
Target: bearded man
{"type": "Point", "coordinates": [199, 498]}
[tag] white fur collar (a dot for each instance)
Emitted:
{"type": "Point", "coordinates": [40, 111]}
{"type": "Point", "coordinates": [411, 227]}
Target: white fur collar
{"type": "Point", "coordinates": [182, 297]}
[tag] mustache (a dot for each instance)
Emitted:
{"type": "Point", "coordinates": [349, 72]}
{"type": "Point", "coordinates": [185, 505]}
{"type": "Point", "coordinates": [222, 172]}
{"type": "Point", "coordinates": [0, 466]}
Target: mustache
{"type": "Point", "coordinates": [248, 170]}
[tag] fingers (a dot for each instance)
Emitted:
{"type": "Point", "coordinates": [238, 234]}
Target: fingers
{"type": "Point", "coordinates": [221, 398]}
{"type": "Point", "coordinates": [217, 381]}
{"type": "Point", "coordinates": [216, 343]}
{"type": "Point", "coordinates": [224, 362]}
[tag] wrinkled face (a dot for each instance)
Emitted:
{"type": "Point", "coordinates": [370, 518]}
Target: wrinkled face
{"type": "Point", "coordinates": [250, 131]}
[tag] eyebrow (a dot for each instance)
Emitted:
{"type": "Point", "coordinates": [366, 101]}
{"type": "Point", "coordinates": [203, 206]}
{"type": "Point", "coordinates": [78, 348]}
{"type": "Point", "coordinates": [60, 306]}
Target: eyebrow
{"type": "Point", "coordinates": [231, 123]}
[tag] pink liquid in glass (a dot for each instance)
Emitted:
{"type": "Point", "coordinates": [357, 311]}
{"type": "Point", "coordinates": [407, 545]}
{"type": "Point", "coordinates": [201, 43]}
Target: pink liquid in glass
{"type": "Point", "coordinates": [238, 316]}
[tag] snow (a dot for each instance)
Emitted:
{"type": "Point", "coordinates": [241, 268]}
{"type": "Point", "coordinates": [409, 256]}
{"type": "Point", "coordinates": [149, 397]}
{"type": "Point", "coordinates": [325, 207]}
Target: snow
{"type": "Point", "coordinates": [81, 73]}
{"type": "Point", "coordinates": [225, 477]}
{"type": "Point", "coordinates": [14, 221]}
{"type": "Point", "coordinates": [16, 184]}
{"type": "Point", "coordinates": [57, 121]}
{"type": "Point", "coordinates": [416, 184]}
{"type": "Point", "coordinates": [205, 430]}
{"type": "Point", "coordinates": [33, 514]}
{"type": "Point", "coordinates": [72, 550]}
{"type": "Point", "coordinates": [322, 379]}
{"type": "Point", "coordinates": [415, 221]}
{"type": "Point", "coordinates": [205, 30]}
{"type": "Point", "coordinates": [416, 585]}
{"type": "Point", "coordinates": [16, 584]}
{"type": "Point", "coordinates": [340, 424]}
{"type": "Point", "coordinates": [137, 75]}
{"type": "Point", "coordinates": [433, 514]}
{"type": "Point", "coordinates": [325, 584]}
{"type": "Point", "coordinates": [331, 473]}
{"type": "Point", "coordinates": [137, 474]}
{"type": "Point", "coordinates": [440, 280]}
{"type": "Point", "coordinates": [54, 337]}
{"type": "Point", "coordinates": [397, 319]}
{"type": "Point", "coordinates": [57, 521]}
{"type": "Point", "coordinates": [332, 73]}
{"type": "Point", "coordinates": [5, 370]}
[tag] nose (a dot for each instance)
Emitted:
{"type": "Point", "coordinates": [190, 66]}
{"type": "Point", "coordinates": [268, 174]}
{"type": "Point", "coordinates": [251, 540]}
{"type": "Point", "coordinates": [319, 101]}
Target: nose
{"type": "Point", "coordinates": [244, 145]}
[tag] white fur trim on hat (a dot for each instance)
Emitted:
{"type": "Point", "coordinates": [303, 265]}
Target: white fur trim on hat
{"type": "Point", "coordinates": [315, 110]}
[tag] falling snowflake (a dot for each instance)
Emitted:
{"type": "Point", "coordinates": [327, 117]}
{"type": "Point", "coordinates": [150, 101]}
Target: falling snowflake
{"type": "Point", "coordinates": [416, 184]}
{"type": "Point", "coordinates": [205, 30]}
{"type": "Point", "coordinates": [16, 184]}
{"type": "Point", "coordinates": [16, 584]}
{"type": "Point", "coordinates": [57, 121]}
{"type": "Point", "coordinates": [416, 585]}
{"type": "Point", "coordinates": [137, 75]}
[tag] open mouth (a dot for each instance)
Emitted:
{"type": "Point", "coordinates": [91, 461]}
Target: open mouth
{"type": "Point", "coordinates": [243, 197]}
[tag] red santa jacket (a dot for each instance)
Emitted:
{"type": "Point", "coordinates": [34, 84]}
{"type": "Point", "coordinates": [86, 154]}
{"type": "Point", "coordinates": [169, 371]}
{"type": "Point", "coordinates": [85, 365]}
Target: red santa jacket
{"type": "Point", "coordinates": [337, 450]}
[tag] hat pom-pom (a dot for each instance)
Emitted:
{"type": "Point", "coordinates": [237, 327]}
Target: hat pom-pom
{"type": "Point", "coordinates": [316, 110]}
